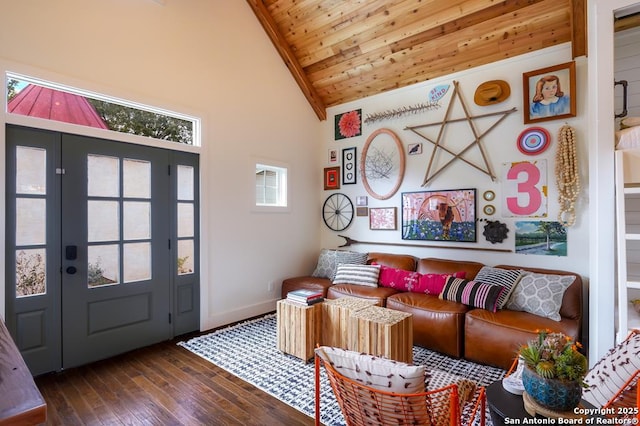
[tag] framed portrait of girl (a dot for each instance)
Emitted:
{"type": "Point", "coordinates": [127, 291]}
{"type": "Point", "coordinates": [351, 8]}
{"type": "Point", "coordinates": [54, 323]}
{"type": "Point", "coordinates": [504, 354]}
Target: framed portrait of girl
{"type": "Point", "coordinates": [549, 93]}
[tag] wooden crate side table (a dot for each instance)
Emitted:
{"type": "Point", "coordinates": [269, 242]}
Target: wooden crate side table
{"type": "Point", "coordinates": [335, 319]}
{"type": "Point", "coordinates": [299, 328]}
{"type": "Point", "coordinates": [382, 332]}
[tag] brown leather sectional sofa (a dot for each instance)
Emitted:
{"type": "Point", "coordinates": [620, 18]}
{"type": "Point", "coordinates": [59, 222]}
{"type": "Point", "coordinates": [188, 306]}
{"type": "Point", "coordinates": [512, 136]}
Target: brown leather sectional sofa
{"type": "Point", "coordinates": [453, 328]}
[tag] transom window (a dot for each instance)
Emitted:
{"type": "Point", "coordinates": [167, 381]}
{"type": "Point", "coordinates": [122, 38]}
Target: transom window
{"type": "Point", "coordinates": [37, 98]}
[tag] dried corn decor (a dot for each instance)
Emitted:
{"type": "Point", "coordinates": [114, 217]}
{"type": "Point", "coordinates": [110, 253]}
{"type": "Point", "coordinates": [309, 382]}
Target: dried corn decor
{"type": "Point", "coordinates": [567, 177]}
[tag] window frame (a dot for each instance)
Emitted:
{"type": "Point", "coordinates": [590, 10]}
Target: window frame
{"type": "Point", "coordinates": [282, 171]}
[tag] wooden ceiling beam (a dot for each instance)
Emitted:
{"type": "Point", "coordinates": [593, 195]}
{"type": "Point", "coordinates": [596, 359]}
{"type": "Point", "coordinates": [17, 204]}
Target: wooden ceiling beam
{"type": "Point", "coordinates": [578, 28]}
{"type": "Point", "coordinates": [281, 45]}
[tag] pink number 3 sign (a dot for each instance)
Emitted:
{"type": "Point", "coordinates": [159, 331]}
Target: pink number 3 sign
{"type": "Point", "coordinates": [525, 188]}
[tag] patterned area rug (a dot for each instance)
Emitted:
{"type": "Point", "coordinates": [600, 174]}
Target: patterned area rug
{"type": "Point", "coordinates": [248, 350]}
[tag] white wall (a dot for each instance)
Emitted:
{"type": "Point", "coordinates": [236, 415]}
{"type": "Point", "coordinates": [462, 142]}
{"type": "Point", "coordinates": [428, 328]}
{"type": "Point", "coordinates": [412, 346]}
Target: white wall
{"type": "Point", "coordinates": [207, 58]}
{"type": "Point", "coordinates": [500, 147]}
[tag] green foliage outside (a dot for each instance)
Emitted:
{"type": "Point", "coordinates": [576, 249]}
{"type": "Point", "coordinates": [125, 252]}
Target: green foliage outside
{"type": "Point", "coordinates": [125, 119]}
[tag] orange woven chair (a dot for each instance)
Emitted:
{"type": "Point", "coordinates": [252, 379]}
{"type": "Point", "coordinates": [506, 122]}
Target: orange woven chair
{"type": "Point", "coordinates": [364, 405]}
{"type": "Point", "coordinates": [625, 404]}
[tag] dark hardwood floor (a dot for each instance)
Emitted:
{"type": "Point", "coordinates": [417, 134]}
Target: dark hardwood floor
{"type": "Point", "coordinates": [162, 384]}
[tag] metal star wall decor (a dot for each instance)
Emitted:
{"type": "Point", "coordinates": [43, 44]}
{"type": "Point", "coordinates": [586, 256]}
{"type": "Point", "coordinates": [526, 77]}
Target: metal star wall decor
{"type": "Point", "coordinates": [438, 143]}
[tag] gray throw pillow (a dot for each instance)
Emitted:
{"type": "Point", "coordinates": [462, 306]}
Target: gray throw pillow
{"type": "Point", "coordinates": [540, 294]}
{"type": "Point", "coordinates": [329, 260]}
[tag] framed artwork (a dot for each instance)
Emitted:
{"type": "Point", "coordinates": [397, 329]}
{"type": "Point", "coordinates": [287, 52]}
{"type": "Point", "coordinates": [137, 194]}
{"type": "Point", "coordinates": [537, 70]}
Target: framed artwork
{"type": "Point", "coordinates": [382, 164]}
{"type": "Point", "coordinates": [362, 211]}
{"type": "Point", "coordinates": [448, 215]}
{"type": "Point", "coordinates": [549, 93]}
{"type": "Point", "coordinates": [348, 124]}
{"type": "Point", "coordinates": [383, 218]}
{"type": "Point", "coordinates": [361, 200]}
{"type": "Point", "coordinates": [541, 237]}
{"type": "Point", "coordinates": [524, 188]}
{"type": "Point", "coordinates": [331, 178]}
{"type": "Point", "coordinates": [332, 158]}
{"type": "Point", "coordinates": [414, 149]}
{"type": "Point", "coordinates": [349, 166]}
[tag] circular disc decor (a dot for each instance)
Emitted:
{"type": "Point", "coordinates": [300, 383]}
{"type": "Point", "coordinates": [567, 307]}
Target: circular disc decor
{"type": "Point", "coordinates": [533, 141]}
{"type": "Point", "coordinates": [337, 212]}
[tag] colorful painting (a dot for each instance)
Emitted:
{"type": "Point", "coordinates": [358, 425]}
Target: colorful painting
{"type": "Point", "coordinates": [348, 124]}
{"type": "Point", "coordinates": [541, 237]}
{"type": "Point", "coordinates": [448, 215]}
{"type": "Point", "coordinates": [383, 218]}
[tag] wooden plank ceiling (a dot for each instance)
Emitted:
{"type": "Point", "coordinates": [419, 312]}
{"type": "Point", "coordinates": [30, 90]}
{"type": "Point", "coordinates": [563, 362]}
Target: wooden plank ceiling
{"type": "Point", "coordinates": [343, 50]}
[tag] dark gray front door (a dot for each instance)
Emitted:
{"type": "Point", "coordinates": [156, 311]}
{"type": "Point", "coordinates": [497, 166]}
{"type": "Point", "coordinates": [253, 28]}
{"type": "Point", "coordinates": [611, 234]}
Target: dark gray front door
{"type": "Point", "coordinates": [96, 264]}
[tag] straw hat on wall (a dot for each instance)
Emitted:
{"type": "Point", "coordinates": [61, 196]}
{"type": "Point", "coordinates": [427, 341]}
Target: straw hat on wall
{"type": "Point", "coordinates": [492, 92]}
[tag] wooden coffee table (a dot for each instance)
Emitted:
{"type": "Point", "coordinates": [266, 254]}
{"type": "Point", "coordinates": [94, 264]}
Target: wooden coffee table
{"type": "Point", "coordinates": [382, 332]}
{"type": "Point", "coordinates": [299, 328]}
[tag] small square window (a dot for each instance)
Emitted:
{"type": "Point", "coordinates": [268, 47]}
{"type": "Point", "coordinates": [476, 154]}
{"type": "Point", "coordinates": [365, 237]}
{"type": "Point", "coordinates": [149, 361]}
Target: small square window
{"type": "Point", "coordinates": [271, 186]}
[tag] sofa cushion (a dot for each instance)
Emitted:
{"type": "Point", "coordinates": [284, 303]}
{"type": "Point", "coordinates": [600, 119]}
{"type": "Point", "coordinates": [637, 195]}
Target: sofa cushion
{"type": "Point", "coordinates": [328, 261]}
{"type": "Point", "coordinates": [306, 282]}
{"type": "Point", "coordinates": [507, 278]}
{"type": "Point", "coordinates": [392, 260]}
{"type": "Point", "coordinates": [432, 265]}
{"type": "Point", "coordinates": [540, 294]}
{"type": "Point", "coordinates": [357, 274]}
{"type": "Point", "coordinates": [398, 278]}
{"type": "Point", "coordinates": [472, 293]}
{"type": "Point", "coordinates": [437, 324]}
{"type": "Point", "coordinates": [377, 294]}
{"type": "Point", "coordinates": [434, 283]}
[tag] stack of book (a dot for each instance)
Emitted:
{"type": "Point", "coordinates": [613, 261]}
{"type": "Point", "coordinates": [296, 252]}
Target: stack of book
{"type": "Point", "coordinates": [305, 297]}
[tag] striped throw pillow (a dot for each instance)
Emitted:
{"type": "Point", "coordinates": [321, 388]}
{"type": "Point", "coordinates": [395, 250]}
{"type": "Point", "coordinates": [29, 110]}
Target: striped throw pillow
{"type": "Point", "coordinates": [357, 274]}
{"type": "Point", "coordinates": [507, 278]}
{"type": "Point", "coordinates": [472, 293]}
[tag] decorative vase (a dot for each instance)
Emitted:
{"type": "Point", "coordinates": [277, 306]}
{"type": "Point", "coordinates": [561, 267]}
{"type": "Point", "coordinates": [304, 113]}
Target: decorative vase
{"type": "Point", "coordinates": [555, 394]}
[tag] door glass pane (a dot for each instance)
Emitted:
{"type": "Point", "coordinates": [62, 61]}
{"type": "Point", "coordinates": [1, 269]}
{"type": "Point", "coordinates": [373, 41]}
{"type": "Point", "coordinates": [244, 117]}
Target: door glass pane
{"type": "Point", "coordinates": [30, 221]}
{"type": "Point", "coordinates": [31, 278]}
{"type": "Point", "coordinates": [137, 220]}
{"type": "Point", "coordinates": [103, 175]}
{"type": "Point", "coordinates": [137, 262]}
{"type": "Point", "coordinates": [185, 220]}
{"type": "Point", "coordinates": [103, 218]}
{"type": "Point", "coordinates": [103, 265]}
{"type": "Point", "coordinates": [185, 257]}
{"type": "Point", "coordinates": [137, 178]}
{"type": "Point", "coordinates": [30, 170]}
{"type": "Point", "coordinates": [185, 183]}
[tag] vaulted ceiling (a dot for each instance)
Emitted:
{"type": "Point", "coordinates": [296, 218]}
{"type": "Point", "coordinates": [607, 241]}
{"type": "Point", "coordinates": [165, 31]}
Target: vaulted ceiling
{"type": "Point", "coordinates": [343, 50]}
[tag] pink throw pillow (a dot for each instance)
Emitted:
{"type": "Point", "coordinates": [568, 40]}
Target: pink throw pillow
{"type": "Point", "coordinates": [398, 278]}
{"type": "Point", "coordinates": [434, 283]}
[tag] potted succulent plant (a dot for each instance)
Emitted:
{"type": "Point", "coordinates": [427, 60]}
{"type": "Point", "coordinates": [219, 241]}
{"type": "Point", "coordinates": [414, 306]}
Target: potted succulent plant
{"type": "Point", "coordinates": [554, 370]}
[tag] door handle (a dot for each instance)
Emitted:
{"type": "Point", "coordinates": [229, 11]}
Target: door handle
{"type": "Point", "coordinates": [71, 270]}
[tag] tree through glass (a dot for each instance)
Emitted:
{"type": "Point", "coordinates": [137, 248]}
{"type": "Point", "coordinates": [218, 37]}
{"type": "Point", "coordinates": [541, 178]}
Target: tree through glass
{"type": "Point", "coordinates": [337, 212]}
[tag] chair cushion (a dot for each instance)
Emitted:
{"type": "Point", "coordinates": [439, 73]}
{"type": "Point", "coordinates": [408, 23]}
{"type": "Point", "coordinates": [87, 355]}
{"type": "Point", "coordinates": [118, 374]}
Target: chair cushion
{"type": "Point", "coordinates": [379, 373]}
{"type": "Point", "coordinates": [612, 371]}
